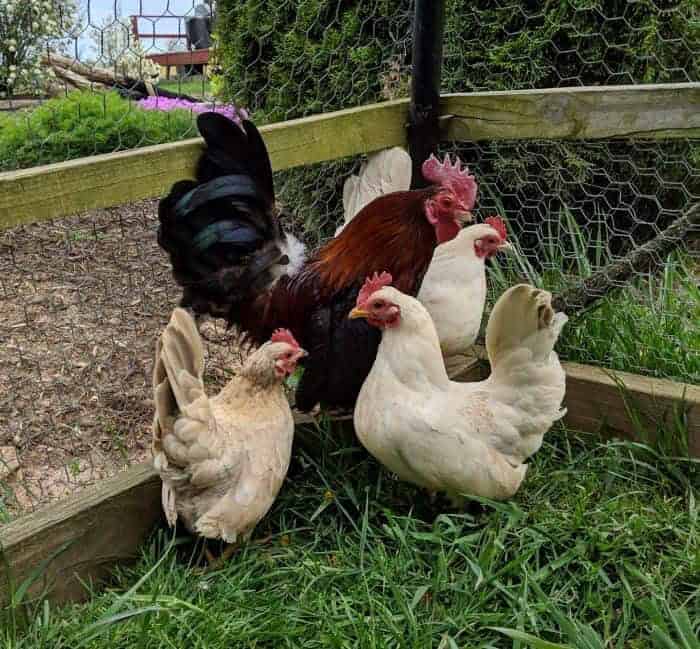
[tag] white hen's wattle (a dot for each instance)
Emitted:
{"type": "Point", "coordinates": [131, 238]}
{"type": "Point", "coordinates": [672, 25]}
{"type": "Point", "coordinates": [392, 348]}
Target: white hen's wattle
{"type": "Point", "coordinates": [463, 438]}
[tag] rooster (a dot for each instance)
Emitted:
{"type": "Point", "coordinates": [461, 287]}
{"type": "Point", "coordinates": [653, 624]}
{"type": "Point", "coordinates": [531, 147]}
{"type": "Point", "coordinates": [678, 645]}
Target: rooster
{"type": "Point", "coordinates": [222, 459]}
{"type": "Point", "coordinates": [459, 438]}
{"type": "Point", "coordinates": [232, 259]}
{"type": "Point", "coordinates": [454, 287]}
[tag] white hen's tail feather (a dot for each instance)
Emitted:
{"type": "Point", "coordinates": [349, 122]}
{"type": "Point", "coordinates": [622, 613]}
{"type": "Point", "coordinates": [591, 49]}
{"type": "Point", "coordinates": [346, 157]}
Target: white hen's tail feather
{"type": "Point", "coordinates": [384, 172]}
{"type": "Point", "coordinates": [526, 376]}
{"type": "Point", "coordinates": [178, 392]}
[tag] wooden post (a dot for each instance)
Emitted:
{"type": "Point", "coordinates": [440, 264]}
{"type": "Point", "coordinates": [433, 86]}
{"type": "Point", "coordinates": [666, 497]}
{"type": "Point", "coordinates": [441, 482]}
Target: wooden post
{"type": "Point", "coordinates": [424, 128]}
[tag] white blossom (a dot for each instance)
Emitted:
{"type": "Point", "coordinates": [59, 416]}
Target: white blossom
{"type": "Point", "coordinates": [26, 27]}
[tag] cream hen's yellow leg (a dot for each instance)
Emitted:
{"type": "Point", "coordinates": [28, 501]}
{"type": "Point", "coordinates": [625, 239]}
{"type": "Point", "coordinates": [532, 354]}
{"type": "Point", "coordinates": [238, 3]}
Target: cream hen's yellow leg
{"type": "Point", "coordinates": [214, 563]}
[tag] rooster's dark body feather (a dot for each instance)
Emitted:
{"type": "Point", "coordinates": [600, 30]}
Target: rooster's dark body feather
{"type": "Point", "coordinates": [230, 256]}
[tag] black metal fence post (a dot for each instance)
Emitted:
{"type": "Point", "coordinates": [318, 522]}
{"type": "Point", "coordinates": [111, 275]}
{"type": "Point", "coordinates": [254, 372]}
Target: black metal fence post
{"type": "Point", "coordinates": [424, 128]}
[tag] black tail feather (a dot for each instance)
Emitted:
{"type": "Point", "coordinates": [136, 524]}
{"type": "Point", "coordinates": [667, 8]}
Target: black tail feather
{"type": "Point", "coordinates": [222, 232]}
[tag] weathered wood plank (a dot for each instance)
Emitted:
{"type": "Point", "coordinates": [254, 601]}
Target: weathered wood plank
{"type": "Point", "coordinates": [599, 399]}
{"type": "Point", "coordinates": [646, 111]}
{"type": "Point", "coordinates": [65, 188]}
{"type": "Point", "coordinates": [100, 526]}
{"type": "Point", "coordinates": [657, 111]}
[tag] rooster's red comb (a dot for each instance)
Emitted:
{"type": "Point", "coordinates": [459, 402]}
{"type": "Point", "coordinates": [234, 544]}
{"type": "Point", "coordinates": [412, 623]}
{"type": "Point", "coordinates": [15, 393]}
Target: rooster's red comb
{"type": "Point", "coordinates": [452, 175]}
{"type": "Point", "coordinates": [497, 223]}
{"type": "Point", "coordinates": [372, 284]}
{"type": "Point", "coordinates": [284, 336]}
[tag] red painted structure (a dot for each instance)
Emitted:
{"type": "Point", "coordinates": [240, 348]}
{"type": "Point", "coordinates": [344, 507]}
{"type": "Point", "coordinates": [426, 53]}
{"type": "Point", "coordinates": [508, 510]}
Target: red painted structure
{"type": "Point", "coordinates": [168, 59]}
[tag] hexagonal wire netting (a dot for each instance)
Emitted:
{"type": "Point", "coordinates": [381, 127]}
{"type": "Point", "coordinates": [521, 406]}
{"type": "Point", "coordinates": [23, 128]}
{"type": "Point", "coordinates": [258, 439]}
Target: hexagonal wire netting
{"type": "Point", "coordinates": [84, 297]}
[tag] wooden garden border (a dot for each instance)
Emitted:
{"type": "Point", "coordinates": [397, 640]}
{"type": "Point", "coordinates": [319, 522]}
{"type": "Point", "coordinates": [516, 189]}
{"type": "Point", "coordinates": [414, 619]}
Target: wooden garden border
{"type": "Point", "coordinates": [86, 534]}
{"type": "Point", "coordinates": [104, 524]}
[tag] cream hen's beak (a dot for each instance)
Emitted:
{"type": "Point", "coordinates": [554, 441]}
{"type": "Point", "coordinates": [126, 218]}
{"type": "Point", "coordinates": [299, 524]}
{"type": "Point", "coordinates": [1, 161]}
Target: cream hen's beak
{"type": "Point", "coordinates": [464, 216]}
{"type": "Point", "coordinates": [357, 313]}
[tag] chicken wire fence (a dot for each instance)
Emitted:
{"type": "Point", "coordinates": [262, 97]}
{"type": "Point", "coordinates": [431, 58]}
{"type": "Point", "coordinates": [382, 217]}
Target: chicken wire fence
{"type": "Point", "coordinates": [84, 297]}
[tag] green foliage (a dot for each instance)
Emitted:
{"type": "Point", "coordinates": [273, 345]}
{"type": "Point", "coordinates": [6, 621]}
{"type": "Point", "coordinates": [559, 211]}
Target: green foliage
{"type": "Point", "coordinates": [83, 124]}
{"type": "Point", "coordinates": [286, 59]}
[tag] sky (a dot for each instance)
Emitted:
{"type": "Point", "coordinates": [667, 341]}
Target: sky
{"type": "Point", "coordinates": [94, 12]}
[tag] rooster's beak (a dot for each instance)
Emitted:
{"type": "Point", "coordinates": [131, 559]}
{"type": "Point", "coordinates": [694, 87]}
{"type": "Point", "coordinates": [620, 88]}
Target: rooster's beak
{"type": "Point", "coordinates": [506, 245]}
{"type": "Point", "coordinates": [357, 312]}
{"type": "Point", "coordinates": [464, 216]}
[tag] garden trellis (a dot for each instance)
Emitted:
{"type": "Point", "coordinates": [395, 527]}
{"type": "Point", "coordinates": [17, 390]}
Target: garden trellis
{"type": "Point", "coordinates": [582, 128]}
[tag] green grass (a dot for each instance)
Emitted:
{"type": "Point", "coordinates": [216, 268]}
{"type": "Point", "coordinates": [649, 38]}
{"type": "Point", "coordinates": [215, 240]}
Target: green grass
{"type": "Point", "coordinates": [599, 549]}
{"type": "Point", "coordinates": [192, 86]}
{"type": "Point", "coordinates": [648, 327]}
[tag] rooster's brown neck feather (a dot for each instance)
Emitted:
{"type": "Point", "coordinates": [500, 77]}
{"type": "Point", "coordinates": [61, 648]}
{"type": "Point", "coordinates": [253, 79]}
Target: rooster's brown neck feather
{"type": "Point", "coordinates": [391, 234]}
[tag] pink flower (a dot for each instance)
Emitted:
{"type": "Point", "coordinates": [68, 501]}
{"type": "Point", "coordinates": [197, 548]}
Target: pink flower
{"type": "Point", "coordinates": [234, 113]}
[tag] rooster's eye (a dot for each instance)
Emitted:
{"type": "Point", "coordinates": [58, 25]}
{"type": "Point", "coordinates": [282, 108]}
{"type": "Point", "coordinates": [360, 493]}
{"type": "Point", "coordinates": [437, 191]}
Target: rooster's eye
{"type": "Point", "coordinates": [378, 305]}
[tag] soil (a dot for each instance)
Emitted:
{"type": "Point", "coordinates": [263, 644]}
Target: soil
{"type": "Point", "coordinates": [83, 300]}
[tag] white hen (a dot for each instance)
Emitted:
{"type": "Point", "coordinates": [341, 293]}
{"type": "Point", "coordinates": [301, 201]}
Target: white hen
{"type": "Point", "coordinates": [222, 459]}
{"type": "Point", "coordinates": [460, 438]}
{"type": "Point", "coordinates": [454, 288]}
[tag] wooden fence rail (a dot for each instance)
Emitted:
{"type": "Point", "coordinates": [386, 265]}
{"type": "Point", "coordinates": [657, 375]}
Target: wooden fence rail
{"type": "Point", "coordinates": [649, 111]}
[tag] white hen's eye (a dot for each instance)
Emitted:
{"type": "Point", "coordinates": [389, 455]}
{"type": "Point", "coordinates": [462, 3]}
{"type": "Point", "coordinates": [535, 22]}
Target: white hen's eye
{"type": "Point", "coordinates": [378, 305]}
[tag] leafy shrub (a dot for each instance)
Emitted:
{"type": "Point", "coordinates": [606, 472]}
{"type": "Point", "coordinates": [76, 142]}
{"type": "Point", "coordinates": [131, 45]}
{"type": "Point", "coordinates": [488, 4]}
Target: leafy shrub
{"type": "Point", "coordinates": [285, 59]}
{"type": "Point", "coordinates": [83, 124]}
{"type": "Point", "coordinates": [288, 58]}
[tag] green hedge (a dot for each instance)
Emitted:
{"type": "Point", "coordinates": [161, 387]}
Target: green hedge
{"type": "Point", "coordinates": [83, 124]}
{"type": "Point", "coordinates": [287, 58]}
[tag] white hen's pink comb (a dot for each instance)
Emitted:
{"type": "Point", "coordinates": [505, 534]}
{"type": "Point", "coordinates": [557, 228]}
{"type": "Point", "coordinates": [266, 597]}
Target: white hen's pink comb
{"type": "Point", "coordinates": [372, 284]}
{"type": "Point", "coordinates": [454, 176]}
{"type": "Point", "coordinates": [496, 222]}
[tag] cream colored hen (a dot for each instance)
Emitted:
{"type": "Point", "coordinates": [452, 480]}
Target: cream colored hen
{"type": "Point", "coordinates": [459, 438]}
{"type": "Point", "coordinates": [222, 459]}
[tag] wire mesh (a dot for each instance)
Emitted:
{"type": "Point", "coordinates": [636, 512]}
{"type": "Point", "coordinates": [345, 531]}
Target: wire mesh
{"type": "Point", "coordinates": [84, 297]}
